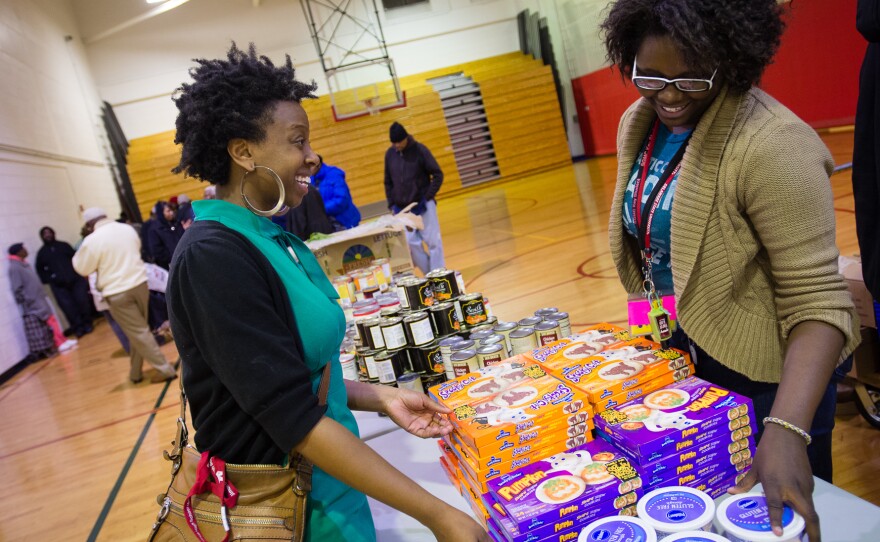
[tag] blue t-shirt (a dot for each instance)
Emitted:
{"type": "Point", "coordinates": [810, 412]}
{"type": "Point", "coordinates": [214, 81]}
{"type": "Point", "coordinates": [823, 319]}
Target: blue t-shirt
{"type": "Point", "coordinates": [666, 146]}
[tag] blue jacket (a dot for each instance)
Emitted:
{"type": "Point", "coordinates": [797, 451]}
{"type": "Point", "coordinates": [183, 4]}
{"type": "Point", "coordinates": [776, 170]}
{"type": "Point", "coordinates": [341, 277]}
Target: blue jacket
{"type": "Point", "coordinates": [331, 184]}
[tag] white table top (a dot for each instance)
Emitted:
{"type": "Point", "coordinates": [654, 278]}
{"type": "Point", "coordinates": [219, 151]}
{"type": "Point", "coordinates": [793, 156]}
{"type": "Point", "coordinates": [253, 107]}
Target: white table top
{"type": "Point", "coordinates": [845, 517]}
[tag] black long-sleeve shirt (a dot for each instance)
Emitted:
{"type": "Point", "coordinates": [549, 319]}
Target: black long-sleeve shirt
{"type": "Point", "coordinates": [54, 265]}
{"type": "Point", "coordinates": [411, 176]}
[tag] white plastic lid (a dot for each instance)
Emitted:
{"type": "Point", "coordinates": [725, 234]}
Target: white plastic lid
{"type": "Point", "coordinates": [695, 536]}
{"type": "Point", "coordinates": [746, 517]}
{"type": "Point", "coordinates": [618, 529]}
{"type": "Point", "coordinates": [676, 509]}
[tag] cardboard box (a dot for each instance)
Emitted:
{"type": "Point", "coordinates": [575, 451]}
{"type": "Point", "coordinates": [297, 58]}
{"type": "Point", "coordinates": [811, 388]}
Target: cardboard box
{"type": "Point", "coordinates": [851, 269]}
{"type": "Point", "coordinates": [358, 247]}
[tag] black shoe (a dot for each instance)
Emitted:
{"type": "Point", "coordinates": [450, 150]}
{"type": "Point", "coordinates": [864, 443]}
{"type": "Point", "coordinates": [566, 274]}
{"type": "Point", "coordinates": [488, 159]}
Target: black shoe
{"type": "Point", "coordinates": [136, 380]}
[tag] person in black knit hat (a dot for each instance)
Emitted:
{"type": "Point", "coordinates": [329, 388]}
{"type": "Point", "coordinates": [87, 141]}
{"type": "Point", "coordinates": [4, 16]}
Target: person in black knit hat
{"type": "Point", "coordinates": [412, 175]}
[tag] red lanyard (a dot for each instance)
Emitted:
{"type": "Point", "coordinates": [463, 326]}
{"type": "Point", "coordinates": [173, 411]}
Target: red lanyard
{"type": "Point", "coordinates": [653, 201]}
{"type": "Point", "coordinates": [211, 476]}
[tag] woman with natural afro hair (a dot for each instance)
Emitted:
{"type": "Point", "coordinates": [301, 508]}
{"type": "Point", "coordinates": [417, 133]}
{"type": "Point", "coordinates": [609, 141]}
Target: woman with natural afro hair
{"type": "Point", "coordinates": [733, 224]}
{"type": "Point", "coordinates": [256, 320]}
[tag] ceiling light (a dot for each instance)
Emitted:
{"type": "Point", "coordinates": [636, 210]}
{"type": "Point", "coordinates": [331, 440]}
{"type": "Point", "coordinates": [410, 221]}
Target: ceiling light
{"type": "Point", "coordinates": [155, 1]}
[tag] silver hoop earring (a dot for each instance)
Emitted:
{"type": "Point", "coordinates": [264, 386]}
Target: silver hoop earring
{"type": "Point", "coordinates": [249, 205]}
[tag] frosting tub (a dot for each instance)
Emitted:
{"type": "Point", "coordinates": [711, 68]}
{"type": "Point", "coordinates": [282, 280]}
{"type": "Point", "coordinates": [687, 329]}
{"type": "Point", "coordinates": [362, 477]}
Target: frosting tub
{"type": "Point", "coordinates": [744, 518]}
{"type": "Point", "coordinates": [675, 509]}
{"type": "Point", "coordinates": [618, 529]}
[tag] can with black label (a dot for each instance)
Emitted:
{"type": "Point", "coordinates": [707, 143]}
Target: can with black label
{"type": "Point", "coordinates": [419, 294]}
{"type": "Point", "coordinates": [392, 333]}
{"type": "Point", "coordinates": [564, 323]}
{"type": "Point", "coordinates": [372, 334]}
{"type": "Point", "coordinates": [418, 329]}
{"type": "Point", "coordinates": [368, 357]}
{"type": "Point", "coordinates": [400, 289]}
{"type": "Point", "coordinates": [429, 381]}
{"type": "Point", "coordinates": [434, 357]}
{"type": "Point", "coordinates": [464, 362]}
{"type": "Point", "coordinates": [388, 367]}
{"type": "Point", "coordinates": [391, 312]}
{"type": "Point", "coordinates": [410, 381]}
{"type": "Point", "coordinates": [444, 319]}
{"type": "Point", "coordinates": [522, 340]}
{"type": "Point", "coordinates": [444, 284]}
{"type": "Point", "coordinates": [504, 328]}
{"type": "Point", "coordinates": [490, 355]}
{"type": "Point", "coordinates": [547, 332]}
{"type": "Point", "coordinates": [446, 351]}
{"type": "Point", "coordinates": [472, 309]}
{"type": "Point", "coordinates": [530, 321]}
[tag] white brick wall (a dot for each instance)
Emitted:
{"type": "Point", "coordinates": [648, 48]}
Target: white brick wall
{"type": "Point", "coordinates": [51, 163]}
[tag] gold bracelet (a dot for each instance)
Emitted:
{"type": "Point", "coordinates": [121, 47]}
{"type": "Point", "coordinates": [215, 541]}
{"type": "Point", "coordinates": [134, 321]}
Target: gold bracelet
{"type": "Point", "coordinates": [791, 427]}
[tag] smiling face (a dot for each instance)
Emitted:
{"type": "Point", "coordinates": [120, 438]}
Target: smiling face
{"type": "Point", "coordinates": [658, 56]}
{"type": "Point", "coordinates": [286, 150]}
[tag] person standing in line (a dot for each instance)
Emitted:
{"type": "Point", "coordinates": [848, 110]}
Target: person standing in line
{"type": "Point", "coordinates": [40, 325]}
{"type": "Point", "coordinates": [412, 175]}
{"type": "Point", "coordinates": [165, 234]}
{"type": "Point", "coordinates": [70, 290]}
{"type": "Point", "coordinates": [114, 251]}
{"type": "Point", "coordinates": [330, 181]}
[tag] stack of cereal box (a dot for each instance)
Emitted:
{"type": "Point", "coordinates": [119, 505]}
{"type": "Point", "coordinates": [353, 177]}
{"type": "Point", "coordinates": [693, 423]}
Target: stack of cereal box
{"type": "Point", "coordinates": [553, 499]}
{"type": "Point", "coordinates": [614, 371]}
{"type": "Point", "coordinates": [690, 433]}
{"type": "Point", "coordinates": [506, 416]}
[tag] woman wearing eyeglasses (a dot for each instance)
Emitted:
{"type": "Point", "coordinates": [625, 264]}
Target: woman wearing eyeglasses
{"type": "Point", "coordinates": [733, 218]}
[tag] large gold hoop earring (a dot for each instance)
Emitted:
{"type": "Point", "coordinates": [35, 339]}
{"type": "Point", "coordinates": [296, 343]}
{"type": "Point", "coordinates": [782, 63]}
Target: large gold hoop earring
{"type": "Point", "coordinates": [281, 191]}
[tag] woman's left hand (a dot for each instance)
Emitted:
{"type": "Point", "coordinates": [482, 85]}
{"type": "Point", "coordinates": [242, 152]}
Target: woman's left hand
{"type": "Point", "coordinates": [418, 414]}
{"type": "Point", "coordinates": [782, 467]}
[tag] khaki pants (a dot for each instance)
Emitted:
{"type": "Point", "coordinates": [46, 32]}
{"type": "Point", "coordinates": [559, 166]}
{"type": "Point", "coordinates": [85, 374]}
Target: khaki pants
{"type": "Point", "coordinates": [129, 309]}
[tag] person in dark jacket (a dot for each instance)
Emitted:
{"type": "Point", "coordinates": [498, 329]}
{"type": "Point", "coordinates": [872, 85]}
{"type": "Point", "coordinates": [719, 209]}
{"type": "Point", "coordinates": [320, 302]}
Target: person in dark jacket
{"type": "Point", "coordinates": [309, 216]}
{"type": "Point", "coordinates": [866, 149]}
{"type": "Point", "coordinates": [70, 290]}
{"type": "Point", "coordinates": [412, 175]}
{"type": "Point", "coordinates": [164, 235]}
{"type": "Point", "coordinates": [330, 181]}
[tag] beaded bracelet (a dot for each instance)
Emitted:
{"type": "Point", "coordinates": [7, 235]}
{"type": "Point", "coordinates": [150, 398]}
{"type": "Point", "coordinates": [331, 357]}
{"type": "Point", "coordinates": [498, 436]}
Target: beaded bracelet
{"type": "Point", "coordinates": [791, 427]}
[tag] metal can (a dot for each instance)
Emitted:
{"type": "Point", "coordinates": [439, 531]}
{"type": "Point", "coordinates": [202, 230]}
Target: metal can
{"type": "Point", "coordinates": [392, 333]}
{"type": "Point", "coordinates": [400, 289]}
{"type": "Point", "coordinates": [490, 355]}
{"type": "Point", "coordinates": [488, 325]}
{"type": "Point", "coordinates": [522, 340]}
{"type": "Point", "coordinates": [385, 264]}
{"type": "Point", "coordinates": [419, 293]}
{"type": "Point", "coordinates": [478, 336]}
{"type": "Point", "coordinates": [434, 357]}
{"type": "Point", "coordinates": [488, 307]}
{"type": "Point", "coordinates": [464, 344]}
{"type": "Point", "coordinates": [530, 321]}
{"type": "Point", "coordinates": [370, 292]}
{"type": "Point", "coordinates": [446, 351]}
{"type": "Point", "coordinates": [497, 338]}
{"type": "Point", "coordinates": [418, 329]}
{"type": "Point", "coordinates": [460, 280]}
{"type": "Point", "coordinates": [364, 310]}
{"type": "Point", "coordinates": [410, 381]}
{"type": "Point", "coordinates": [564, 323]}
{"type": "Point", "coordinates": [382, 280]}
{"type": "Point", "coordinates": [429, 381]}
{"type": "Point", "coordinates": [344, 287]}
{"type": "Point", "coordinates": [472, 309]}
{"type": "Point", "coordinates": [369, 360]}
{"type": "Point", "coordinates": [444, 284]}
{"type": "Point", "coordinates": [504, 328]}
{"type": "Point", "coordinates": [388, 367]}
{"type": "Point", "coordinates": [547, 332]}
{"type": "Point", "coordinates": [542, 313]}
{"type": "Point", "coordinates": [349, 367]}
{"type": "Point", "coordinates": [391, 312]}
{"type": "Point", "coordinates": [364, 279]}
{"type": "Point", "coordinates": [464, 362]}
{"type": "Point", "coordinates": [444, 319]}
{"type": "Point", "coordinates": [372, 334]}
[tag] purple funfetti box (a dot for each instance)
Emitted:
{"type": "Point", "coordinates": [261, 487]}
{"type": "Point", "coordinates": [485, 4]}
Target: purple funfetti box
{"type": "Point", "coordinates": [566, 485]}
{"type": "Point", "coordinates": [565, 529]}
{"type": "Point", "coordinates": [675, 418]}
{"type": "Point", "coordinates": [704, 459]}
{"type": "Point", "coordinates": [713, 485]}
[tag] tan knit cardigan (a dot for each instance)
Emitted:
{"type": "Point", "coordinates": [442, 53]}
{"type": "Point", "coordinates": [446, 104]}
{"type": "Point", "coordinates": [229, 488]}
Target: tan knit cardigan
{"type": "Point", "coordinates": [753, 243]}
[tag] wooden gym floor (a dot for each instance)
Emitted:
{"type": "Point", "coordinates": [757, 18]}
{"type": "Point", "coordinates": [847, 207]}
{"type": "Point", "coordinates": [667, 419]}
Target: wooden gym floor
{"type": "Point", "coordinates": [81, 447]}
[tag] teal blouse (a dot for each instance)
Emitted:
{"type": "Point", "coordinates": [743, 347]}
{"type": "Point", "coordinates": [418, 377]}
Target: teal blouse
{"type": "Point", "coordinates": [336, 511]}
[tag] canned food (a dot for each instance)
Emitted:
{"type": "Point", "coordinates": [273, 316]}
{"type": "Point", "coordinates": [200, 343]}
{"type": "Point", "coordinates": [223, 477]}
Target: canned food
{"type": "Point", "coordinates": [444, 284]}
{"type": "Point", "coordinates": [446, 351]}
{"type": "Point", "coordinates": [464, 362]}
{"type": "Point", "coordinates": [369, 360]}
{"type": "Point", "coordinates": [400, 289]}
{"type": "Point", "coordinates": [410, 381]}
{"type": "Point", "coordinates": [392, 333]}
{"type": "Point", "coordinates": [490, 355]}
{"type": "Point", "coordinates": [434, 357]}
{"type": "Point", "coordinates": [391, 312]}
{"type": "Point", "coordinates": [419, 293]}
{"type": "Point", "coordinates": [421, 358]}
{"type": "Point", "coordinates": [344, 287]}
{"type": "Point", "coordinates": [504, 328]}
{"type": "Point", "coordinates": [522, 340]}
{"type": "Point", "coordinates": [382, 280]}
{"type": "Point", "coordinates": [496, 338]}
{"type": "Point", "coordinates": [542, 313]}
{"type": "Point", "coordinates": [429, 381]}
{"type": "Point", "coordinates": [488, 325]}
{"type": "Point", "coordinates": [370, 292]}
{"type": "Point", "coordinates": [530, 321]}
{"type": "Point", "coordinates": [478, 336]}
{"type": "Point", "coordinates": [444, 319]}
{"type": "Point", "coordinates": [564, 323]}
{"type": "Point", "coordinates": [460, 280]}
{"type": "Point", "coordinates": [349, 367]}
{"type": "Point", "coordinates": [364, 280]}
{"type": "Point", "coordinates": [365, 310]}
{"type": "Point", "coordinates": [372, 334]}
{"type": "Point", "coordinates": [488, 307]}
{"type": "Point", "coordinates": [385, 264]}
{"type": "Point", "coordinates": [388, 300]}
{"type": "Point", "coordinates": [547, 332]}
{"type": "Point", "coordinates": [472, 309]}
{"type": "Point", "coordinates": [464, 344]}
{"type": "Point", "coordinates": [418, 329]}
{"type": "Point", "coordinates": [388, 367]}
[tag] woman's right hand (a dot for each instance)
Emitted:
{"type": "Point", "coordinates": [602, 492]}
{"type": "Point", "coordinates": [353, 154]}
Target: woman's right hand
{"type": "Point", "coordinates": [456, 526]}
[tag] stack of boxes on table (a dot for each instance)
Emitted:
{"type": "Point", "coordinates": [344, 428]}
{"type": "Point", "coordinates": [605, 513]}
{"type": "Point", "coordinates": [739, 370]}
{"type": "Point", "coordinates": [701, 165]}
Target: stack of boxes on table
{"type": "Point", "coordinates": [522, 452]}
